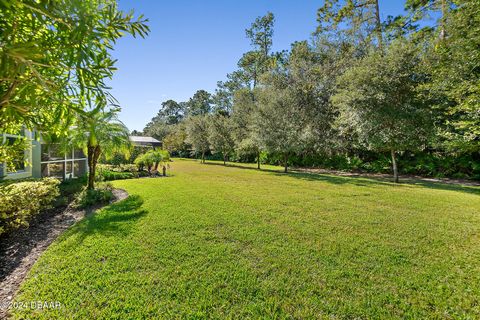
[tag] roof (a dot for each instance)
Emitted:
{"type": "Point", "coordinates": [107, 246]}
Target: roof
{"type": "Point", "coordinates": [144, 140]}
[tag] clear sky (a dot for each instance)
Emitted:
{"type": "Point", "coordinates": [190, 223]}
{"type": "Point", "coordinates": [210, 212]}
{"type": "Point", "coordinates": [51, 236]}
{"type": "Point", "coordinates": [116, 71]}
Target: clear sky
{"type": "Point", "coordinates": [193, 44]}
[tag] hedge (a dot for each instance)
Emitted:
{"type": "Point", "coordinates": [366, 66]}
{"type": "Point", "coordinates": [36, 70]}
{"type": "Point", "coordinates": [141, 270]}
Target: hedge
{"type": "Point", "coordinates": [20, 201]}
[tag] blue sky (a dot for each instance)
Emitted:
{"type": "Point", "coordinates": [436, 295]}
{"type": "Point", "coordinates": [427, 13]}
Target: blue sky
{"type": "Point", "coordinates": [193, 44]}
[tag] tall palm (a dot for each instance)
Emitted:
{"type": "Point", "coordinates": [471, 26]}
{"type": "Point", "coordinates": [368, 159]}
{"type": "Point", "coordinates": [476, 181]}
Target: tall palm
{"type": "Point", "coordinates": [101, 132]}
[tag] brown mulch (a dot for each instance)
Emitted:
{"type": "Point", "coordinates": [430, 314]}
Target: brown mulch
{"type": "Point", "coordinates": [382, 176]}
{"type": "Point", "coordinates": [20, 249]}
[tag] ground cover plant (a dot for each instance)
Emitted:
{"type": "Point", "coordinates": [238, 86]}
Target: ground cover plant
{"type": "Point", "coordinates": [231, 242]}
{"type": "Point", "coordinates": [20, 201]}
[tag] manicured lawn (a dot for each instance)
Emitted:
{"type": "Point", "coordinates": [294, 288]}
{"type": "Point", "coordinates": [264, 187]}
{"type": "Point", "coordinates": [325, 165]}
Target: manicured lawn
{"type": "Point", "coordinates": [226, 242]}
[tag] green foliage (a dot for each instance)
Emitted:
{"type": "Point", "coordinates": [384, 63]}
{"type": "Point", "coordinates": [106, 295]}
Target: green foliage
{"type": "Point", "coordinates": [197, 134]}
{"type": "Point", "coordinates": [260, 33]}
{"type": "Point", "coordinates": [119, 168]}
{"type": "Point", "coordinates": [220, 135]}
{"type": "Point", "coordinates": [102, 194]}
{"type": "Point", "coordinates": [152, 159]}
{"type": "Point", "coordinates": [55, 57]}
{"type": "Point", "coordinates": [175, 141]}
{"type": "Point", "coordinates": [200, 104]}
{"type": "Point", "coordinates": [118, 172]}
{"type": "Point", "coordinates": [9, 151]}
{"type": "Point", "coordinates": [107, 175]}
{"type": "Point", "coordinates": [378, 99]}
{"type": "Point", "coordinates": [456, 76]}
{"type": "Point", "coordinates": [101, 132]}
{"type": "Point", "coordinates": [20, 201]}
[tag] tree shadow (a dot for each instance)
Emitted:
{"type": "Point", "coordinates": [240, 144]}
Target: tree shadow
{"type": "Point", "coordinates": [360, 180]}
{"type": "Point", "coordinates": [382, 181]}
{"type": "Point", "coordinates": [239, 166]}
{"type": "Point", "coordinates": [113, 220]}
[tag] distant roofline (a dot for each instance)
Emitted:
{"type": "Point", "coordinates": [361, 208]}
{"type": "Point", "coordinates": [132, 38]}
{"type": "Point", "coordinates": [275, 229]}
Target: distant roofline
{"type": "Point", "coordinates": [144, 140]}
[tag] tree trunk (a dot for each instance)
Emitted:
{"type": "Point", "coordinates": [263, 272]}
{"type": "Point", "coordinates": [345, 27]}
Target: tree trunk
{"type": "Point", "coordinates": [378, 26]}
{"type": "Point", "coordinates": [164, 170]}
{"type": "Point", "coordinates": [394, 165]}
{"type": "Point", "coordinates": [203, 157]}
{"type": "Point", "coordinates": [443, 32]}
{"type": "Point", "coordinates": [91, 169]}
{"type": "Point", "coordinates": [285, 159]}
{"type": "Point", "coordinates": [258, 160]}
{"type": "Point", "coordinates": [93, 155]}
{"type": "Point", "coordinates": [224, 159]}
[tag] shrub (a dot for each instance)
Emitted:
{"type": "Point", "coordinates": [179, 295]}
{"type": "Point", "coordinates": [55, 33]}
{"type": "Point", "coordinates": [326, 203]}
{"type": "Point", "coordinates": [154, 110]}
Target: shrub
{"type": "Point", "coordinates": [102, 194]}
{"type": "Point", "coordinates": [21, 200]}
{"type": "Point", "coordinates": [107, 175]}
{"type": "Point", "coordinates": [152, 160]}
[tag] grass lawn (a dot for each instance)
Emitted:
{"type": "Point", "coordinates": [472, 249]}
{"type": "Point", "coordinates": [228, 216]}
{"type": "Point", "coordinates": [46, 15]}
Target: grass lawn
{"type": "Point", "coordinates": [229, 242]}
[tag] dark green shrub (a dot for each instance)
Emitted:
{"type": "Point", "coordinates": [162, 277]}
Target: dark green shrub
{"type": "Point", "coordinates": [103, 194]}
{"type": "Point", "coordinates": [21, 200]}
{"type": "Point", "coordinates": [107, 175]}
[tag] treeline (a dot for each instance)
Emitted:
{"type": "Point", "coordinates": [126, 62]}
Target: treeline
{"type": "Point", "coordinates": [364, 94]}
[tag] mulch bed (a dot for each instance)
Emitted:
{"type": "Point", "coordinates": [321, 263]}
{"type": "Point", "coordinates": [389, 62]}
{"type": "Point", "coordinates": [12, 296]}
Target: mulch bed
{"type": "Point", "coordinates": [20, 249]}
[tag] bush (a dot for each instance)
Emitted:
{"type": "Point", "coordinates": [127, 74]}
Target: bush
{"type": "Point", "coordinates": [118, 168]}
{"type": "Point", "coordinates": [20, 201]}
{"type": "Point", "coordinates": [107, 175]}
{"type": "Point", "coordinates": [152, 160]}
{"type": "Point", "coordinates": [101, 195]}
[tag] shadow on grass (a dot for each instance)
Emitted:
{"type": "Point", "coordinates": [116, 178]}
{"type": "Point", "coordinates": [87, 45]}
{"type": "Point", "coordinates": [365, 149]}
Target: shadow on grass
{"type": "Point", "coordinates": [239, 166]}
{"type": "Point", "coordinates": [359, 180]}
{"type": "Point", "coordinates": [113, 220]}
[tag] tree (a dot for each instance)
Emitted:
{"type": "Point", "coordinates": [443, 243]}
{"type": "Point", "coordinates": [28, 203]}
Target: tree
{"type": "Point", "coordinates": [243, 121]}
{"type": "Point", "coordinates": [254, 63]}
{"type": "Point", "coordinates": [157, 128]}
{"type": "Point", "coordinates": [260, 33]}
{"type": "Point", "coordinates": [197, 134]}
{"type": "Point", "coordinates": [172, 111]}
{"type": "Point", "coordinates": [55, 57]}
{"type": "Point", "coordinates": [175, 142]}
{"type": "Point", "coordinates": [420, 9]}
{"type": "Point", "coordinates": [220, 135]}
{"type": "Point", "coordinates": [278, 123]}
{"type": "Point", "coordinates": [200, 103]}
{"type": "Point", "coordinates": [101, 132]}
{"type": "Point", "coordinates": [152, 159]}
{"type": "Point", "coordinates": [359, 20]}
{"type": "Point", "coordinates": [311, 81]}
{"type": "Point", "coordinates": [456, 76]}
{"type": "Point", "coordinates": [136, 133]}
{"type": "Point", "coordinates": [169, 114]}
{"type": "Point", "coordinates": [379, 99]}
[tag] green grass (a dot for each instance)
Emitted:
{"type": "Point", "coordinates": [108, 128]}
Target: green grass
{"type": "Point", "coordinates": [228, 242]}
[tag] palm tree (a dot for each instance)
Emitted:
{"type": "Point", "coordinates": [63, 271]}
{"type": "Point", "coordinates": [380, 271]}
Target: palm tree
{"type": "Point", "coordinates": [101, 132]}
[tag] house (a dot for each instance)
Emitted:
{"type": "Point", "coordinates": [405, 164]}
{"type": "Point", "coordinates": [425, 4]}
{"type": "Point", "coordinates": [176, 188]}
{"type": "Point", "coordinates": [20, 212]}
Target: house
{"type": "Point", "coordinates": [141, 141]}
{"type": "Point", "coordinates": [44, 160]}
{"type": "Point", "coordinates": [47, 160]}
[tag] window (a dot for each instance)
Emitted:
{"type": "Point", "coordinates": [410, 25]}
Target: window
{"type": "Point", "coordinates": [79, 154]}
{"type": "Point", "coordinates": [79, 168]}
{"type": "Point", "coordinates": [52, 152]}
{"type": "Point", "coordinates": [55, 169]}
{"type": "Point", "coordinates": [64, 165]}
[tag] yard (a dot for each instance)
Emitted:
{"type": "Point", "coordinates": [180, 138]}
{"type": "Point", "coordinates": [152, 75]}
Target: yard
{"type": "Point", "coordinates": [234, 242]}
